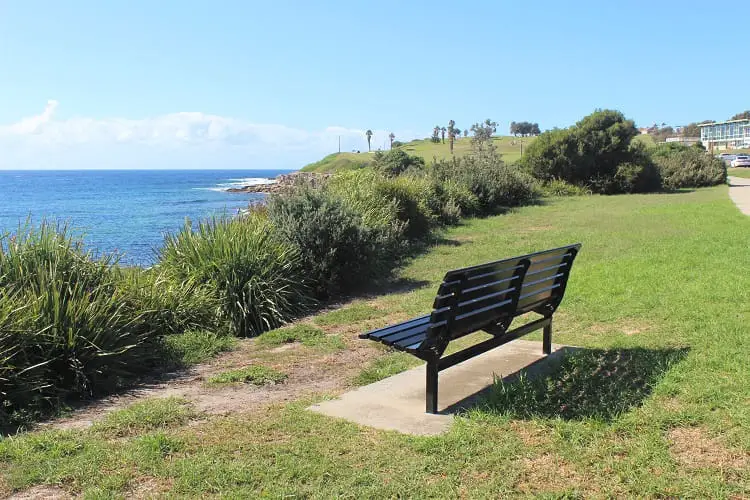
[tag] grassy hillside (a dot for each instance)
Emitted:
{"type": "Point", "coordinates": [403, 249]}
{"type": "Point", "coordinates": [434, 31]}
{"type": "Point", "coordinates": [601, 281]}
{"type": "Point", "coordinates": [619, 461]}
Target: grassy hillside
{"type": "Point", "coordinates": [509, 147]}
{"type": "Point", "coordinates": [337, 162]}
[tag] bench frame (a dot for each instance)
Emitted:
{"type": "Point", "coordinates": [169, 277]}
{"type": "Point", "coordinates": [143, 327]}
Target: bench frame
{"type": "Point", "coordinates": [438, 334]}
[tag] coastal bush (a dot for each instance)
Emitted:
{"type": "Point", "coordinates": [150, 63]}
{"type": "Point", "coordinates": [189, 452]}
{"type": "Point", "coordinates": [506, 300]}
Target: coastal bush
{"type": "Point", "coordinates": [589, 155]}
{"type": "Point", "coordinates": [337, 250]}
{"type": "Point", "coordinates": [255, 275]}
{"type": "Point", "coordinates": [558, 187]}
{"type": "Point", "coordinates": [494, 185]}
{"type": "Point", "coordinates": [395, 162]}
{"type": "Point", "coordinates": [688, 167]}
{"type": "Point", "coordinates": [66, 327]}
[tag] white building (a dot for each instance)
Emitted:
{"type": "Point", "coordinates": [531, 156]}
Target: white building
{"type": "Point", "coordinates": [726, 135]}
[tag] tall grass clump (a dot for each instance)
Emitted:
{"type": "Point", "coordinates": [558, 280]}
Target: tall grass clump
{"type": "Point", "coordinates": [66, 327]}
{"type": "Point", "coordinates": [254, 274]}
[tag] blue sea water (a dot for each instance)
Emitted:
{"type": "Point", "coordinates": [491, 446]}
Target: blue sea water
{"type": "Point", "coordinates": [123, 211]}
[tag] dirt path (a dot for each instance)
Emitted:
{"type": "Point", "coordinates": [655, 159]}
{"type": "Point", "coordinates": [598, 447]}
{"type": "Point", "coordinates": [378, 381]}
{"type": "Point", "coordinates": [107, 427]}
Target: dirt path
{"type": "Point", "coordinates": [309, 372]}
{"type": "Point", "coordinates": [739, 192]}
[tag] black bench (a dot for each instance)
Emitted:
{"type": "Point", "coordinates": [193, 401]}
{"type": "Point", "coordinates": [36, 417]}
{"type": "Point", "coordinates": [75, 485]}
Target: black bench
{"type": "Point", "coordinates": [486, 297]}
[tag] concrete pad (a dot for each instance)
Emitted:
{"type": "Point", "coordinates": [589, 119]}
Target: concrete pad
{"type": "Point", "coordinates": [739, 191]}
{"type": "Point", "coordinates": [398, 402]}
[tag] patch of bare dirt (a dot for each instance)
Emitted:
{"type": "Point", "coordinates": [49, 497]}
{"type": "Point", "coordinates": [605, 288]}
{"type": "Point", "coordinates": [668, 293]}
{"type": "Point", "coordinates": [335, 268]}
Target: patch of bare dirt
{"type": "Point", "coordinates": [627, 327]}
{"type": "Point", "coordinates": [692, 447]}
{"type": "Point", "coordinates": [41, 493]}
{"type": "Point", "coordinates": [547, 473]}
{"type": "Point", "coordinates": [309, 372]}
{"type": "Point", "coordinates": [150, 487]}
{"type": "Point", "coordinates": [531, 434]}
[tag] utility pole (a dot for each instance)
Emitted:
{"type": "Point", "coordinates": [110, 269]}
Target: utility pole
{"type": "Point", "coordinates": [339, 144]}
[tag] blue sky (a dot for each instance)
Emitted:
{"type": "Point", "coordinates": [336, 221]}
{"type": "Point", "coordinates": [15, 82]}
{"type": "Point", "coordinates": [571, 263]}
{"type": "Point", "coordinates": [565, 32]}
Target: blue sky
{"type": "Point", "coordinates": [240, 84]}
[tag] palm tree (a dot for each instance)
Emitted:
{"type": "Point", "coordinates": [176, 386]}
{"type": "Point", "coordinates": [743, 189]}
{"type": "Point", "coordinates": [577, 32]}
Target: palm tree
{"type": "Point", "coordinates": [369, 136]}
{"type": "Point", "coordinates": [391, 136]}
{"type": "Point", "coordinates": [442, 131]}
{"type": "Point", "coordinates": [436, 134]}
{"type": "Point", "coordinates": [451, 133]}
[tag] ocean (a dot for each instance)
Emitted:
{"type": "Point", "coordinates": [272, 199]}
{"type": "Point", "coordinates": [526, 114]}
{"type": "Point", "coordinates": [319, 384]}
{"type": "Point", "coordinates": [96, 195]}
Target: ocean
{"type": "Point", "coordinates": [123, 211]}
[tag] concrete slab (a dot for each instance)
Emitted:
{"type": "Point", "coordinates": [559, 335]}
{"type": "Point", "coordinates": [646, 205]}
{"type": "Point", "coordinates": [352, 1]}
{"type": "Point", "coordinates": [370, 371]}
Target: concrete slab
{"type": "Point", "coordinates": [739, 191]}
{"type": "Point", "coordinates": [398, 402]}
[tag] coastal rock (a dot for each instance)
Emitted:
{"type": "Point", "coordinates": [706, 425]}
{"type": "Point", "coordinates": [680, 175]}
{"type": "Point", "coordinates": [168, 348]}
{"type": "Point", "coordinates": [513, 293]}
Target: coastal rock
{"type": "Point", "coordinates": [283, 182]}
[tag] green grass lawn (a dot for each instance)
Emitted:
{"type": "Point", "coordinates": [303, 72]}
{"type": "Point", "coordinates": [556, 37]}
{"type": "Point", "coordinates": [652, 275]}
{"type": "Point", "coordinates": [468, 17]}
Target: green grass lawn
{"type": "Point", "coordinates": [656, 404]}
{"type": "Point", "coordinates": [509, 147]}
{"type": "Point", "coordinates": [739, 172]}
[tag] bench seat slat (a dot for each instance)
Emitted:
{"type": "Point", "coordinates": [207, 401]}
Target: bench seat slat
{"type": "Point", "coordinates": [404, 334]}
{"type": "Point", "coordinates": [385, 331]}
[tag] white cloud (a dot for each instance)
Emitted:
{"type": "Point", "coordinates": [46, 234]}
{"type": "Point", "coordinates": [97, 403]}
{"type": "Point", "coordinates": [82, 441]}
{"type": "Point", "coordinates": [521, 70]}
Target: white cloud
{"type": "Point", "coordinates": [42, 141]}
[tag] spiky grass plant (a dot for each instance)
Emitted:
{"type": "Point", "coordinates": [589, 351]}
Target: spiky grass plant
{"type": "Point", "coordinates": [66, 326]}
{"type": "Point", "coordinates": [255, 275]}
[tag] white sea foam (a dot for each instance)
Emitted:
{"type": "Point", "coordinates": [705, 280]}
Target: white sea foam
{"type": "Point", "coordinates": [240, 183]}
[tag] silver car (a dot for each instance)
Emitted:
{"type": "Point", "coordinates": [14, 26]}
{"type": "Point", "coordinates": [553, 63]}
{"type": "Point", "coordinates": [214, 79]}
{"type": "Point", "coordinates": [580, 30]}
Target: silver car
{"type": "Point", "coordinates": [741, 161]}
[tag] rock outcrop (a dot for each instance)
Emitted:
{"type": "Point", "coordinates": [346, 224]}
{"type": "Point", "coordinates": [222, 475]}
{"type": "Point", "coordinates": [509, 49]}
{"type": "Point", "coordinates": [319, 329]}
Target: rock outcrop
{"type": "Point", "coordinates": [283, 182]}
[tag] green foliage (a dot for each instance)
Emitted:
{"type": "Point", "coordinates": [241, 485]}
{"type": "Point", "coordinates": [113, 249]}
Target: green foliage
{"type": "Point", "coordinates": [558, 187]}
{"type": "Point", "coordinates": [683, 167]}
{"type": "Point", "coordinates": [170, 306]}
{"type": "Point", "coordinates": [486, 185]}
{"type": "Point", "coordinates": [587, 154]}
{"type": "Point", "coordinates": [67, 325]}
{"type": "Point", "coordinates": [339, 162]}
{"type": "Point", "coordinates": [337, 249]}
{"type": "Point", "coordinates": [254, 374]}
{"type": "Point", "coordinates": [255, 274]}
{"type": "Point", "coordinates": [636, 178]}
{"type": "Point", "coordinates": [395, 162]}
{"type": "Point", "coordinates": [196, 346]}
{"type": "Point", "coordinates": [745, 115]}
{"type": "Point", "coordinates": [151, 414]}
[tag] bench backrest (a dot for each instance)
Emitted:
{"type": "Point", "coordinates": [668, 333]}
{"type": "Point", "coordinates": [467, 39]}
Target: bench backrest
{"type": "Point", "coordinates": [490, 295]}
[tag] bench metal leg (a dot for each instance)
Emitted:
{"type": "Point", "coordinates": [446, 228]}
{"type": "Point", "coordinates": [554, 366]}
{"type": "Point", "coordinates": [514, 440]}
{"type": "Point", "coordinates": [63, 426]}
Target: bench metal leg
{"type": "Point", "coordinates": [431, 390]}
{"type": "Point", "coordinates": [547, 339]}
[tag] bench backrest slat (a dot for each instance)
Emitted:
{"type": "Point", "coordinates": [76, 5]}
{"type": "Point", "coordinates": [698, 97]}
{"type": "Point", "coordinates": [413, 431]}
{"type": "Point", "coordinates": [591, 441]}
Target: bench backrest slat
{"type": "Point", "coordinates": [478, 297]}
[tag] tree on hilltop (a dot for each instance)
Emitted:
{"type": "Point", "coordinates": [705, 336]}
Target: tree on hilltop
{"type": "Point", "coordinates": [466, 133]}
{"type": "Point", "coordinates": [436, 134]}
{"type": "Point", "coordinates": [451, 133]}
{"type": "Point", "coordinates": [442, 132]}
{"type": "Point", "coordinates": [369, 136]}
{"type": "Point", "coordinates": [391, 136]}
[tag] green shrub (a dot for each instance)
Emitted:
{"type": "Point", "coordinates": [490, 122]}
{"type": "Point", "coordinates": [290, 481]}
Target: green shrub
{"type": "Point", "coordinates": [395, 162]}
{"type": "Point", "coordinates": [691, 167]}
{"type": "Point", "coordinates": [632, 178]}
{"type": "Point", "coordinates": [494, 185]}
{"type": "Point", "coordinates": [254, 273]}
{"type": "Point", "coordinates": [337, 250]}
{"type": "Point", "coordinates": [595, 153]}
{"type": "Point", "coordinates": [558, 187]}
{"type": "Point", "coordinates": [418, 204]}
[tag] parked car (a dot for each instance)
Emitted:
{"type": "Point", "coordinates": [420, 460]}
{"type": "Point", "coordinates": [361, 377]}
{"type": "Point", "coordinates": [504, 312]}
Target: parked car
{"type": "Point", "coordinates": [741, 161]}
